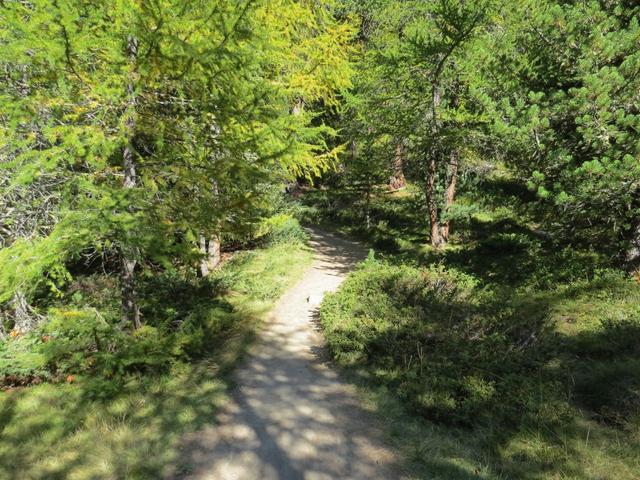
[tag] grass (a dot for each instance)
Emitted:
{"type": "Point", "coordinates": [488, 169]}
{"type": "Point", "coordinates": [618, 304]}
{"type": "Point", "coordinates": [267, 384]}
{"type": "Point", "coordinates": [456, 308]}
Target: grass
{"type": "Point", "coordinates": [582, 450]}
{"type": "Point", "coordinates": [519, 360]}
{"type": "Point", "coordinates": [98, 427]}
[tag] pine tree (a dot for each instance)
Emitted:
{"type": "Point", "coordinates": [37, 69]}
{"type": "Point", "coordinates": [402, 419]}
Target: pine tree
{"type": "Point", "coordinates": [568, 118]}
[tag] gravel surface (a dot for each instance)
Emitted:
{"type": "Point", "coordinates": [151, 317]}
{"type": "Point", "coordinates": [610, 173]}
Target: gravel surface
{"type": "Point", "coordinates": [291, 415]}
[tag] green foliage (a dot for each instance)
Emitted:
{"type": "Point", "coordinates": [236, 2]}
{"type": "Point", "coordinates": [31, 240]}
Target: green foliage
{"type": "Point", "coordinates": [83, 343]}
{"type": "Point", "coordinates": [448, 349]}
{"type": "Point", "coordinates": [184, 315]}
{"type": "Point", "coordinates": [550, 88]}
{"type": "Point", "coordinates": [419, 97]}
{"type": "Point", "coordinates": [566, 82]}
{"type": "Point", "coordinates": [21, 362]}
{"type": "Point", "coordinates": [131, 398]}
{"type": "Point", "coordinates": [282, 228]}
{"type": "Point", "coordinates": [213, 100]}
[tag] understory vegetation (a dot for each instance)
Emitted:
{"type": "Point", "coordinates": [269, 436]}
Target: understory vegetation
{"type": "Point", "coordinates": [157, 161]}
{"type": "Point", "coordinates": [512, 356]}
{"type": "Point", "coordinates": [105, 404]}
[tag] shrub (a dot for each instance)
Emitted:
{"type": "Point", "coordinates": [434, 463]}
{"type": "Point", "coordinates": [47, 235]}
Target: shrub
{"type": "Point", "coordinates": [453, 352]}
{"type": "Point", "coordinates": [282, 228]}
{"type": "Point", "coordinates": [21, 362]}
{"type": "Point", "coordinates": [611, 389]}
{"type": "Point", "coordinates": [76, 342]}
{"type": "Point", "coordinates": [205, 323]}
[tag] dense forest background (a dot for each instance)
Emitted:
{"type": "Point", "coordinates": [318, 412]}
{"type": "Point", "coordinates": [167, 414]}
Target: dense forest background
{"type": "Point", "coordinates": [157, 160]}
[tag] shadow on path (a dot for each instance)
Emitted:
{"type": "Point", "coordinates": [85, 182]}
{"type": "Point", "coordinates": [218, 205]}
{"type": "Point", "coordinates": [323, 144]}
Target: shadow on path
{"type": "Point", "coordinates": [291, 416]}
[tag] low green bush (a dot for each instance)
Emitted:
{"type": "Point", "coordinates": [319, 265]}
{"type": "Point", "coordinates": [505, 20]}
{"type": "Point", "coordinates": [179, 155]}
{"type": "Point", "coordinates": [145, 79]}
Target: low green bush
{"type": "Point", "coordinates": [282, 228]}
{"type": "Point", "coordinates": [184, 317]}
{"type": "Point", "coordinates": [456, 353]}
{"type": "Point", "coordinates": [77, 342]}
{"type": "Point", "coordinates": [611, 390]}
{"type": "Point", "coordinates": [21, 361]}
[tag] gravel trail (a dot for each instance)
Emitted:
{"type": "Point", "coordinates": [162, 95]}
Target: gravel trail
{"type": "Point", "coordinates": [291, 416]}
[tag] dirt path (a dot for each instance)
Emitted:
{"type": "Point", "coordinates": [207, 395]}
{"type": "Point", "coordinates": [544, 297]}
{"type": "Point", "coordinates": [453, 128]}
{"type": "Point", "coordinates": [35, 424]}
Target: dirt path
{"type": "Point", "coordinates": [292, 417]}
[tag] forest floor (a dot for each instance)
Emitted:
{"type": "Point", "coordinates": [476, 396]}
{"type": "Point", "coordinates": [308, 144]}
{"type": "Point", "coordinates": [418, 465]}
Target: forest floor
{"type": "Point", "coordinates": [550, 389]}
{"type": "Point", "coordinates": [291, 415]}
{"type": "Point", "coordinates": [132, 425]}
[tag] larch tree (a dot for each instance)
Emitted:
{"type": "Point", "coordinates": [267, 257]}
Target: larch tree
{"type": "Point", "coordinates": [159, 120]}
{"type": "Point", "coordinates": [422, 91]}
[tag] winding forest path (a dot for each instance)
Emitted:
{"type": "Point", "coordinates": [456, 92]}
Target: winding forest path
{"type": "Point", "coordinates": [291, 416]}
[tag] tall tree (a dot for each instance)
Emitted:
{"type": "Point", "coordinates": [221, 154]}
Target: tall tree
{"type": "Point", "coordinates": [422, 85]}
{"type": "Point", "coordinates": [569, 119]}
{"type": "Point", "coordinates": [160, 118]}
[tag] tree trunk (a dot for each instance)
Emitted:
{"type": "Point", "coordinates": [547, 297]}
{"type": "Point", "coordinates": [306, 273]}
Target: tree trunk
{"type": "Point", "coordinates": [3, 330]}
{"type": "Point", "coordinates": [432, 204]}
{"type": "Point", "coordinates": [210, 248]}
{"type": "Point", "coordinates": [368, 208]}
{"type": "Point", "coordinates": [298, 107]}
{"type": "Point", "coordinates": [450, 194]}
{"type": "Point", "coordinates": [632, 255]}
{"type": "Point", "coordinates": [397, 180]}
{"type": "Point", "coordinates": [214, 251]}
{"type": "Point", "coordinates": [432, 171]}
{"type": "Point", "coordinates": [130, 310]}
{"type": "Point", "coordinates": [23, 319]}
{"type": "Point", "coordinates": [204, 250]}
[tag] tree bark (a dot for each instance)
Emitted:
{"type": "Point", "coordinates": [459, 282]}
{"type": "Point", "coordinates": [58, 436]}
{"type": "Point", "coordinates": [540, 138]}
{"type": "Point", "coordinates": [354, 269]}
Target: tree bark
{"type": "Point", "coordinates": [632, 255]}
{"type": "Point", "coordinates": [130, 309]}
{"type": "Point", "coordinates": [432, 203]}
{"type": "Point", "coordinates": [214, 251]}
{"type": "Point", "coordinates": [298, 107]}
{"type": "Point", "coordinates": [368, 207]}
{"type": "Point", "coordinates": [397, 180]}
{"type": "Point", "coordinates": [210, 247]}
{"type": "Point", "coordinates": [23, 319]}
{"type": "Point", "coordinates": [450, 193]}
{"type": "Point", "coordinates": [432, 172]}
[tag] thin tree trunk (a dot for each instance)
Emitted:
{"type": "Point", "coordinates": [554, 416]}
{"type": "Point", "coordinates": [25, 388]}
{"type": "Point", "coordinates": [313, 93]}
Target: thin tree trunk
{"type": "Point", "coordinates": [204, 250]}
{"type": "Point", "coordinates": [632, 255]}
{"type": "Point", "coordinates": [3, 330]}
{"type": "Point", "coordinates": [397, 180]}
{"type": "Point", "coordinates": [368, 208]}
{"type": "Point", "coordinates": [450, 194]}
{"type": "Point", "coordinates": [130, 309]}
{"type": "Point", "coordinates": [298, 107]}
{"type": "Point", "coordinates": [432, 172]}
{"type": "Point", "coordinates": [432, 203]}
{"type": "Point", "coordinates": [24, 320]}
{"type": "Point", "coordinates": [214, 251]}
{"type": "Point", "coordinates": [210, 247]}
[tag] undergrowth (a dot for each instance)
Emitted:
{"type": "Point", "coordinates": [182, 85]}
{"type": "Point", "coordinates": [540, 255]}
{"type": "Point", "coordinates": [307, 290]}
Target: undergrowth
{"type": "Point", "coordinates": [104, 403]}
{"type": "Point", "coordinates": [504, 355]}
